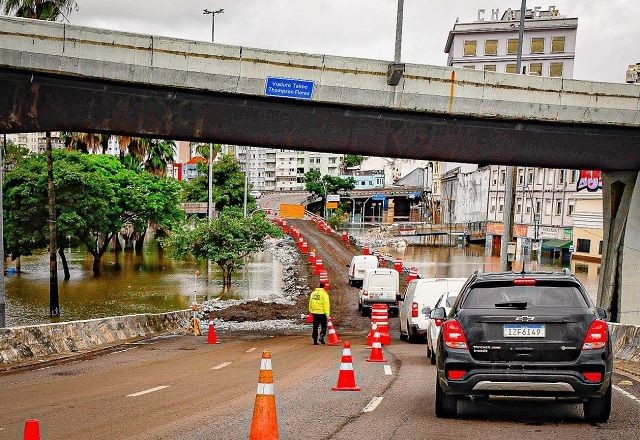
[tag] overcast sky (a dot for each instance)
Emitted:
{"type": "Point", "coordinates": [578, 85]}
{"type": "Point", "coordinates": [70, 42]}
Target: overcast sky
{"type": "Point", "coordinates": [608, 31]}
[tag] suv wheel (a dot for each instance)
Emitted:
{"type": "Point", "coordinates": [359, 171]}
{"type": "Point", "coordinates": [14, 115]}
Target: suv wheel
{"type": "Point", "coordinates": [446, 406]}
{"type": "Point", "coordinates": [598, 410]}
{"type": "Point", "coordinates": [433, 357]}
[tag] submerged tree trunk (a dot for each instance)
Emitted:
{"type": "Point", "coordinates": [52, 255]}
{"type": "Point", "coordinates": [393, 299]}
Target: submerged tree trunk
{"type": "Point", "coordinates": [140, 241]}
{"type": "Point", "coordinates": [96, 264]}
{"type": "Point", "coordinates": [118, 245]}
{"type": "Point", "coordinates": [65, 264]}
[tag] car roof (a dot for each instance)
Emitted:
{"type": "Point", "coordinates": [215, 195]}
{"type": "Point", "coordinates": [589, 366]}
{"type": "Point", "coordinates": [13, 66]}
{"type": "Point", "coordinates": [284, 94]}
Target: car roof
{"type": "Point", "coordinates": [381, 270]}
{"type": "Point", "coordinates": [434, 280]}
{"type": "Point", "coordinates": [510, 276]}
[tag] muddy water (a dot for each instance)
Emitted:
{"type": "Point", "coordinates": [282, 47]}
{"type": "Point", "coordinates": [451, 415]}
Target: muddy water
{"type": "Point", "coordinates": [145, 282]}
{"type": "Point", "coordinates": [461, 262]}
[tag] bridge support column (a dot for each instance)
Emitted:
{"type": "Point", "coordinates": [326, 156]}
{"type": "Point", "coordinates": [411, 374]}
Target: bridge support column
{"type": "Point", "coordinates": [619, 286]}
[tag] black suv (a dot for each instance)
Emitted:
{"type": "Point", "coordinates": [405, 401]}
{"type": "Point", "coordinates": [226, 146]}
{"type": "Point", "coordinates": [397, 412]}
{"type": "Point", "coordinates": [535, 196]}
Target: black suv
{"type": "Point", "coordinates": [529, 334]}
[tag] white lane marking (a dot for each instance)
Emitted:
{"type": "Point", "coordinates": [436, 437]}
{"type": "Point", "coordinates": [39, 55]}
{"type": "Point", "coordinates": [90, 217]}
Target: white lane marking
{"type": "Point", "coordinates": [251, 349]}
{"type": "Point", "coordinates": [150, 390]}
{"type": "Point", "coordinates": [387, 370]}
{"type": "Point", "coordinates": [123, 350]}
{"type": "Point", "coordinates": [626, 394]}
{"type": "Point", "coordinates": [222, 365]}
{"type": "Point", "coordinates": [373, 404]}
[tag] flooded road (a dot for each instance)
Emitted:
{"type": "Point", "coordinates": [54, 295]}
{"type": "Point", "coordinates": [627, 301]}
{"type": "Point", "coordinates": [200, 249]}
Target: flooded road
{"type": "Point", "coordinates": [145, 282]}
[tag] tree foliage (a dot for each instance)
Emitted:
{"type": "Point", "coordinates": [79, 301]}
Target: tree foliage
{"type": "Point", "coordinates": [226, 241]}
{"type": "Point", "coordinates": [13, 154]}
{"type": "Point", "coordinates": [351, 160]}
{"type": "Point", "coordinates": [316, 183]}
{"type": "Point", "coordinates": [228, 186]}
{"type": "Point", "coordinates": [39, 9]}
{"type": "Point", "coordinates": [95, 197]}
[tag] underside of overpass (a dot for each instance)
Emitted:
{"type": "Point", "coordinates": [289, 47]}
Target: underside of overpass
{"type": "Point", "coordinates": [33, 101]}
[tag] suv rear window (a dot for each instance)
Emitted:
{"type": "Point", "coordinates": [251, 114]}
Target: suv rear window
{"type": "Point", "coordinates": [382, 280]}
{"type": "Point", "coordinates": [486, 297]}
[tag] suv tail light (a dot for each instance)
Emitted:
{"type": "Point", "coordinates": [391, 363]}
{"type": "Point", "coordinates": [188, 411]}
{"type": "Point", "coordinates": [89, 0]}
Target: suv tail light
{"type": "Point", "coordinates": [414, 310]}
{"type": "Point", "coordinates": [593, 376]}
{"type": "Point", "coordinates": [596, 337]}
{"type": "Point", "coordinates": [525, 282]}
{"type": "Point", "coordinates": [453, 336]}
{"type": "Point", "coordinates": [455, 374]}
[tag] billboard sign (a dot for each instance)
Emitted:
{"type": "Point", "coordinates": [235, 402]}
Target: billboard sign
{"type": "Point", "coordinates": [291, 211]}
{"type": "Point", "coordinates": [591, 180]}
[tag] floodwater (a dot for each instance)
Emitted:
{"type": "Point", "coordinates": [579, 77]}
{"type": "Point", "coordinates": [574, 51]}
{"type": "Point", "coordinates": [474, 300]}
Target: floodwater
{"type": "Point", "coordinates": [458, 261]}
{"type": "Point", "coordinates": [145, 282]}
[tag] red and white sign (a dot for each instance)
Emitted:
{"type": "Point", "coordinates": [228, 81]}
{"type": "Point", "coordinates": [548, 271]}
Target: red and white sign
{"type": "Point", "coordinates": [591, 180]}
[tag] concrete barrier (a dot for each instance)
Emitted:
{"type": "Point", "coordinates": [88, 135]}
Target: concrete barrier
{"type": "Point", "coordinates": [20, 344]}
{"type": "Point", "coordinates": [626, 341]}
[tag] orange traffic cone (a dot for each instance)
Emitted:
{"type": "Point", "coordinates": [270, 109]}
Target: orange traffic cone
{"type": "Point", "coordinates": [334, 339]}
{"type": "Point", "coordinates": [212, 336]}
{"type": "Point", "coordinates": [376, 351]}
{"type": "Point", "coordinates": [264, 424]}
{"type": "Point", "coordinates": [413, 274]}
{"type": "Point", "coordinates": [374, 329]}
{"type": "Point", "coordinates": [346, 377]}
{"type": "Point", "coordinates": [31, 430]}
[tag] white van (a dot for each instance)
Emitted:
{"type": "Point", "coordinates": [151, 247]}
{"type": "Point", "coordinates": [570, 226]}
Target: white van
{"type": "Point", "coordinates": [379, 286]}
{"type": "Point", "coordinates": [419, 299]}
{"type": "Point", "coordinates": [359, 264]}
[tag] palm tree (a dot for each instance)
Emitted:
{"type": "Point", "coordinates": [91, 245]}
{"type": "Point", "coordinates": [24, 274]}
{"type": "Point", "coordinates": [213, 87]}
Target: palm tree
{"type": "Point", "coordinates": [85, 142]}
{"type": "Point", "coordinates": [159, 153]}
{"type": "Point", "coordinates": [49, 10]}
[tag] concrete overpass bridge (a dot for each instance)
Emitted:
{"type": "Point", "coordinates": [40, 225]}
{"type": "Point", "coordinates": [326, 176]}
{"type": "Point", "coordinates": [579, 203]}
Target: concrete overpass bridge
{"type": "Point", "coordinates": [60, 77]}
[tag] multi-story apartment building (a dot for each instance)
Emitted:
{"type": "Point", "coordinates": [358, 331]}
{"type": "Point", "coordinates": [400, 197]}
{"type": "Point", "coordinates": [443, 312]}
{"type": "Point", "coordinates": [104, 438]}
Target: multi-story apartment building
{"type": "Point", "coordinates": [543, 210]}
{"type": "Point", "coordinates": [284, 170]}
{"type": "Point", "coordinates": [492, 44]}
{"type": "Point", "coordinates": [36, 142]}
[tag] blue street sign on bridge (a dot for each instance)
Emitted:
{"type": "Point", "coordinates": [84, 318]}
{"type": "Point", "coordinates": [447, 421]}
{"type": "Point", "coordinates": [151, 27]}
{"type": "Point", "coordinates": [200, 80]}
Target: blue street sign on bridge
{"type": "Point", "coordinates": [288, 88]}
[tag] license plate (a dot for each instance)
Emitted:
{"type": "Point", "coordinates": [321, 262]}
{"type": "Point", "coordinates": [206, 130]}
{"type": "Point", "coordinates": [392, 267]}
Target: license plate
{"type": "Point", "coordinates": [524, 331]}
{"type": "Point", "coordinates": [374, 295]}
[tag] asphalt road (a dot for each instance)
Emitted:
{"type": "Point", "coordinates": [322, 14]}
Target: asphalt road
{"type": "Point", "coordinates": [181, 388]}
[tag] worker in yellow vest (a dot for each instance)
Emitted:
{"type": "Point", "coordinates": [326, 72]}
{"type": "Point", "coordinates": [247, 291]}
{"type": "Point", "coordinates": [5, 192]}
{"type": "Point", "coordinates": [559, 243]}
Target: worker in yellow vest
{"type": "Point", "coordinates": [319, 307]}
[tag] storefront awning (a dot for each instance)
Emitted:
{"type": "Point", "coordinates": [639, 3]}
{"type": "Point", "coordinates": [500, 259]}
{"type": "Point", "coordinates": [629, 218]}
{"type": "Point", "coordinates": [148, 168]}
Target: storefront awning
{"type": "Point", "coordinates": [555, 243]}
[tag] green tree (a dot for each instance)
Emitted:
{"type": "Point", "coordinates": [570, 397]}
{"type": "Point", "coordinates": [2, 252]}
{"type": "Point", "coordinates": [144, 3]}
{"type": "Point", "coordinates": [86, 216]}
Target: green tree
{"type": "Point", "coordinates": [351, 160]}
{"type": "Point", "coordinates": [13, 154]}
{"type": "Point", "coordinates": [228, 185]}
{"type": "Point", "coordinates": [316, 183]}
{"type": "Point", "coordinates": [226, 241]}
{"type": "Point", "coordinates": [337, 217]}
{"type": "Point", "coordinates": [95, 195]}
{"type": "Point", "coordinates": [49, 10]}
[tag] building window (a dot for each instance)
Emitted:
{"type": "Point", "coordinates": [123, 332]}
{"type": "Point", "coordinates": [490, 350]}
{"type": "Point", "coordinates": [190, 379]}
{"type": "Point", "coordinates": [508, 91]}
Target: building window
{"type": "Point", "coordinates": [547, 207]}
{"type": "Point", "coordinates": [571, 208]}
{"type": "Point", "coordinates": [489, 67]}
{"type": "Point", "coordinates": [495, 178]}
{"type": "Point", "coordinates": [469, 66]}
{"type": "Point", "coordinates": [583, 245]}
{"type": "Point", "coordinates": [520, 177]}
{"type": "Point", "coordinates": [530, 177]}
{"type": "Point", "coordinates": [503, 175]}
{"type": "Point", "coordinates": [470, 48]}
{"type": "Point", "coordinates": [501, 204]}
{"type": "Point", "coordinates": [537, 45]}
{"type": "Point", "coordinates": [535, 69]}
{"type": "Point", "coordinates": [493, 204]}
{"type": "Point", "coordinates": [600, 248]}
{"type": "Point", "coordinates": [511, 68]}
{"type": "Point", "coordinates": [555, 70]}
{"type": "Point", "coordinates": [557, 45]}
{"type": "Point", "coordinates": [538, 206]}
{"type": "Point", "coordinates": [518, 207]}
{"type": "Point", "coordinates": [558, 207]}
{"type": "Point", "coordinates": [528, 209]}
{"type": "Point", "coordinates": [561, 178]}
{"type": "Point", "coordinates": [573, 176]}
{"type": "Point", "coordinates": [491, 47]}
{"type": "Point", "coordinates": [512, 46]}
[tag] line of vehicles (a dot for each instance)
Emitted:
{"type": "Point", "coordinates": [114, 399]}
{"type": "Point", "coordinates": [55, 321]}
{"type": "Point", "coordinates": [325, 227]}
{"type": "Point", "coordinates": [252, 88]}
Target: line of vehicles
{"type": "Point", "coordinates": [532, 334]}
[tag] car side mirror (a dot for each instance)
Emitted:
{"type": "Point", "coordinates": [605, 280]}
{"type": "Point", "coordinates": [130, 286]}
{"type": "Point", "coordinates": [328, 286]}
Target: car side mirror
{"type": "Point", "coordinates": [438, 313]}
{"type": "Point", "coordinates": [427, 311]}
{"type": "Point", "coordinates": [348, 265]}
{"type": "Point", "coordinates": [602, 313]}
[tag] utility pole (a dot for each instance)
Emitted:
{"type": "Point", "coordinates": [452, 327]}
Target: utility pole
{"type": "Point", "coordinates": [247, 150]}
{"type": "Point", "coordinates": [398, 48]}
{"type": "Point", "coordinates": [213, 20]}
{"type": "Point", "coordinates": [54, 301]}
{"type": "Point", "coordinates": [2, 295]}
{"type": "Point", "coordinates": [509, 193]}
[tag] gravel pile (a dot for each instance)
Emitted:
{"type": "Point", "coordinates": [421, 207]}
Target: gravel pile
{"type": "Point", "coordinates": [267, 325]}
{"type": "Point", "coordinates": [286, 253]}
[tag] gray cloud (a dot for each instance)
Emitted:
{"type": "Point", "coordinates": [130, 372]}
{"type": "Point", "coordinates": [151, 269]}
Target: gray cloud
{"type": "Point", "coordinates": [607, 31]}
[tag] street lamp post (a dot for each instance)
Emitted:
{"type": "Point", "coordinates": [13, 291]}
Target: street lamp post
{"type": "Point", "coordinates": [2, 298]}
{"type": "Point", "coordinates": [324, 186]}
{"type": "Point", "coordinates": [213, 19]}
